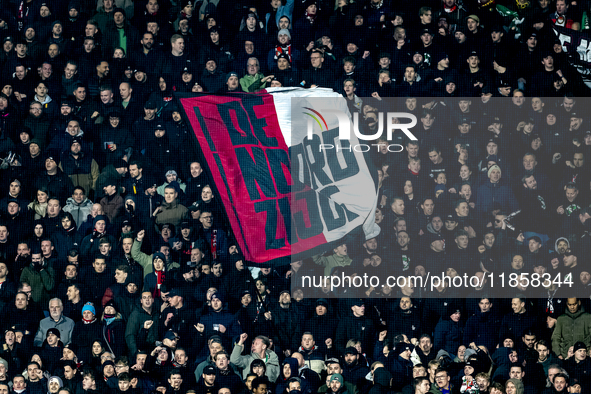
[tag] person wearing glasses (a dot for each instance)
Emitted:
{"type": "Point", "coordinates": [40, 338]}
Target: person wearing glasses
{"type": "Point", "coordinates": [443, 383]}
{"type": "Point", "coordinates": [213, 234]}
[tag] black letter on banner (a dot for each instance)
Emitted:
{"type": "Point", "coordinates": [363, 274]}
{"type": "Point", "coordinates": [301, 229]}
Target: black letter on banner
{"type": "Point", "coordinates": [337, 172]}
{"type": "Point", "coordinates": [298, 163]}
{"type": "Point", "coordinates": [270, 206]}
{"type": "Point", "coordinates": [255, 171]}
{"type": "Point", "coordinates": [236, 136]}
{"type": "Point", "coordinates": [204, 129]}
{"type": "Point", "coordinates": [258, 123]}
{"type": "Point", "coordinates": [331, 221]}
{"type": "Point", "coordinates": [286, 213]}
{"type": "Point", "coordinates": [276, 158]}
{"type": "Point", "coordinates": [311, 208]}
{"type": "Point", "coordinates": [316, 167]}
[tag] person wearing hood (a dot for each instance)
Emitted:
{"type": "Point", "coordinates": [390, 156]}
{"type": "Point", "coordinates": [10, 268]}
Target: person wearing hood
{"type": "Point", "coordinates": [504, 358]}
{"type": "Point", "coordinates": [381, 379]}
{"type": "Point", "coordinates": [79, 206]}
{"type": "Point", "coordinates": [79, 165]}
{"type": "Point", "coordinates": [54, 384]}
{"type": "Point", "coordinates": [514, 386]}
{"type": "Point", "coordinates": [289, 372]}
{"type": "Point", "coordinates": [571, 327]}
{"type": "Point", "coordinates": [449, 331]}
{"type": "Point", "coordinates": [66, 238]}
{"type": "Point", "coordinates": [238, 280]}
{"type": "Point", "coordinates": [259, 351]}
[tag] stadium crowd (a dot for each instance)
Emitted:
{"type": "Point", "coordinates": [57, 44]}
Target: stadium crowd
{"type": "Point", "coordinates": [118, 269]}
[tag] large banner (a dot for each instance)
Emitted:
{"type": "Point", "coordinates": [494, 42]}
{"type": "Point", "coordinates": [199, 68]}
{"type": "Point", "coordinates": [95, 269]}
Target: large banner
{"type": "Point", "coordinates": [577, 45]}
{"type": "Point", "coordinates": [244, 139]}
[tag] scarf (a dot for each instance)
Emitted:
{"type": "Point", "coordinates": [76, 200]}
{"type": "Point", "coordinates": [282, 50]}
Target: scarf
{"type": "Point", "coordinates": [109, 320]}
{"type": "Point", "coordinates": [160, 277]}
{"type": "Point", "coordinates": [89, 321]}
{"type": "Point", "coordinates": [449, 10]}
{"type": "Point", "coordinates": [23, 12]}
{"type": "Point", "coordinates": [214, 234]}
{"type": "Point", "coordinates": [279, 50]}
{"type": "Point", "coordinates": [311, 18]}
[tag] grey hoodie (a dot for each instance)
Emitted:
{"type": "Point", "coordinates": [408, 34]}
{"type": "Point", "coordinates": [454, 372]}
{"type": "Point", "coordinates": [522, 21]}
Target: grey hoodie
{"type": "Point", "coordinates": [80, 211]}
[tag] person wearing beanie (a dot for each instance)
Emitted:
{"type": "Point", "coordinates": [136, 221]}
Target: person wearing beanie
{"type": "Point", "coordinates": [120, 33]}
{"type": "Point", "coordinates": [283, 46]}
{"type": "Point", "coordinates": [159, 274]}
{"type": "Point", "coordinates": [232, 83]}
{"type": "Point", "coordinates": [113, 328]}
{"type": "Point", "coordinates": [54, 384]}
{"type": "Point", "coordinates": [172, 176]}
{"type": "Point", "coordinates": [495, 191]}
{"type": "Point", "coordinates": [402, 365]}
{"type": "Point", "coordinates": [52, 349]}
{"type": "Point", "coordinates": [220, 321]}
{"type": "Point", "coordinates": [85, 333]}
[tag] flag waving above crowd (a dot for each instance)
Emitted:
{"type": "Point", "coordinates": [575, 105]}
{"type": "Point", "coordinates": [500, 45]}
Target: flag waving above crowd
{"type": "Point", "coordinates": [247, 141]}
{"type": "Point", "coordinates": [577, 45]}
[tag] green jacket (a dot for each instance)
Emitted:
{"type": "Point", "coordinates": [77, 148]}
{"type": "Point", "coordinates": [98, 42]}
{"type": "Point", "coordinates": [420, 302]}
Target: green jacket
{"type": "Point", "coordinates": [172, 213]}
{"type": "Point", "coordinates": [41, 284]}
{"type": "Point", "coordinates": [571, 328]}
{"type": "Point", "coordinates": [145, 260]}
{"type": "Point", "coordinates": [135, 327]}
{"type": "Point", "coordinates": [331, 261]}
{"type": "Point", "coordinates": [252, 83]}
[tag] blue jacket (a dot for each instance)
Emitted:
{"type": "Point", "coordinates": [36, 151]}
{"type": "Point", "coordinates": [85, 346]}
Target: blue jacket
{"type": "Point", "coordinates": [283, 10]}
{"type": "Point", "coordinates": [482, 329]}
{"type": "Point", "coordinates": [490, 194]}
{"type": "Point", "coordinates": [225, 318]}
{"type": "Point", "coordinates": [448, 335]}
